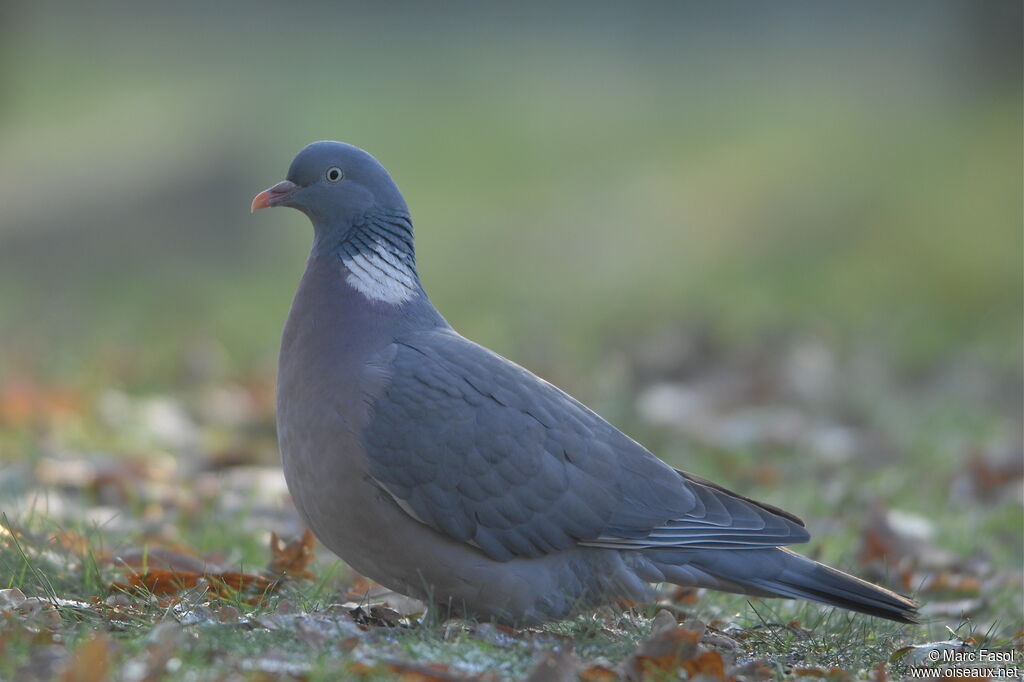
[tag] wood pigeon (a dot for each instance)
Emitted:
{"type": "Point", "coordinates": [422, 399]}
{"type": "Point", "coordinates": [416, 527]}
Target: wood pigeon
{"type": "Point", "coordinates": [449, 473]}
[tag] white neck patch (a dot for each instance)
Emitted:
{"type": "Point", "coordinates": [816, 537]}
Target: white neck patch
{"type": "Point", "coordinates": [380, 272]}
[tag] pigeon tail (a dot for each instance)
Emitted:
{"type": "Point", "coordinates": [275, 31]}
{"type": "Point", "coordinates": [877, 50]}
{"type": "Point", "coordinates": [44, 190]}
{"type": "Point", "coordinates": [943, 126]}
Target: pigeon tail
{"type": "Point", "coordinates": [781, 573]}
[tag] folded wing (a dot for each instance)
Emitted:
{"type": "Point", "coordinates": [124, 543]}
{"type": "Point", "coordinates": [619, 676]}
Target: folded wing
{"type": "Point", "coordinates": [482, 450]}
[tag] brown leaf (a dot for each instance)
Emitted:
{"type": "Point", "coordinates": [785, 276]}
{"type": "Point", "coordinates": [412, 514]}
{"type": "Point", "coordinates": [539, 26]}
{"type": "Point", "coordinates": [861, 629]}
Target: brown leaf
{"type": "Point", "coordinates": [412, 672]}
{"type": "Point", "coordinates": [708, 663]}
{"type": "Point", "coordinates": [891, 536]}
{"type": "Point", "coordinates": [685, 595]}
{"type": "Point", "coordinates": [598, 673]}
{"type": "Point", "coordinates": [384, 616]}
{"type": "Point", "coordinates": [90, 662]}
{"type": "Point", "coordinates": [359, 669]}
{"type": "Point", "coordinates": [165, 583]}
{"type": "Point", "coordinates": [754, 670]}
{"type": "Point", "coordinates": [17, 402]}
{"type": "Point", "coordinates": [160, 582]}
{"type": "Point", "coordinates": [168, 602]}
{"type": "Point", "coordinates": [877, 544]}
{"type": "Point", "coordinates": [662, 652]}
{"type": "Point", "coordinates": [227, 614]}
{"type": "Point", "coordinates": [947, 581]}
{"type": "Point", "coordinates": [242, 582]}
{"type": "Point", "coordinates": [24, 401]}
{"type": "Point", "coordinates": [989, 476]}
{"type": "Point", "coordinates": [292, 558]}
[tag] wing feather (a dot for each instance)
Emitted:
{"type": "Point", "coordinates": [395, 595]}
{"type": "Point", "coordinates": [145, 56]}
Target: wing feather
{"type": "Point", "coordinates": [482, 450]}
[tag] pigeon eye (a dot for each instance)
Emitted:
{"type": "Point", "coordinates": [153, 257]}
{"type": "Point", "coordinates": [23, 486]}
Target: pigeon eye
{"type": "Point", "coordinates": [334, 174]}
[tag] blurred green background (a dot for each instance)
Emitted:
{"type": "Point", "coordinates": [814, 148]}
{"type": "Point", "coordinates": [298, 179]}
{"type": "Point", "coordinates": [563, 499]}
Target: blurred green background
{"type": "Point", "coordinates": [779, 243]}
{"type": "Point", "coordinates": [580, 175]}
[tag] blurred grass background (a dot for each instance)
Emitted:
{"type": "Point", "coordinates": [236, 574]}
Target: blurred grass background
{"type": "Point", "coordinates": [579, 174]}
{"type": "Point", "coordinates": [779, 243]}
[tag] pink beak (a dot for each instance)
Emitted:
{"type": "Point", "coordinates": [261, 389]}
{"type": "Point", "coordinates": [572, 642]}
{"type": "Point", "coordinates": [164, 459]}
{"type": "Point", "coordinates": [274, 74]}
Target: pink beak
{"type": "Point", "coordinates": [274, 196]}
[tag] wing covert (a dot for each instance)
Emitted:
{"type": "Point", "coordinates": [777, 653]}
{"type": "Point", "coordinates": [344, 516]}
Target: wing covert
{"type": "Point", "coordinates": [482, 450]}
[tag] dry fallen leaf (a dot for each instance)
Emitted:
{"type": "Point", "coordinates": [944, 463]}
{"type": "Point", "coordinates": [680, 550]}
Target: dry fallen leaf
{"type": "Point", "coordinates": [166, 572]}
{"type": "Point", "coordinates": [708, 663]}
{"type": "Point", "coordinates": [241, 582]}
{"type": "Point", "coordinates": [685, 595]}
{"type": "Point", "coordinates": [222, 585]}
{"type": "Point", "coordinates": [159, 582]}
{"type": "Point", "coordinates": [988, 476]}
{"type": "Point", "coordinates": [662, 652]}
{"type": "Point", "coordinates": [408, 672]}
{"type": "Point", "coordinates": [947, 581]}
{"type": "Point", "coordinates": [415, 673]}
{"type": "Point", "coordinates": [23, 401]}
{"type": "Point", "coordinates": [227, 614]}
{"type": "Point", "coordinates": [292, 558]}
{"type": "Point", "coordinates": [598, 673]}
{"type": "Point", "coordinates": [879, 542]}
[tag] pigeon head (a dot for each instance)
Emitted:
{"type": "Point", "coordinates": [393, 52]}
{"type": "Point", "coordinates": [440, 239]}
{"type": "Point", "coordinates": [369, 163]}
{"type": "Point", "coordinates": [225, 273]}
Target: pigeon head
{"type": "Point", "coordinates": [335, 184]}
{"type": "Point", "coordinates": [358, 216]}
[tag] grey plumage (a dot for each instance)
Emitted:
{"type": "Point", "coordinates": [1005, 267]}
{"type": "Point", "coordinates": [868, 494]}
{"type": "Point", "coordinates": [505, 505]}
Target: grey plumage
{"type": "Point", "coordinates": [447, 472]}
{"type": "Point", "coordinates": [507, 462]}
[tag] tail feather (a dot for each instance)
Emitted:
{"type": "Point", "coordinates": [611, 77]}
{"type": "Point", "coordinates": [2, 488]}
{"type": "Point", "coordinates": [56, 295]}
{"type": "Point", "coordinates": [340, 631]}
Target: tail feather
{"type": "Point", "coordinates": [803, 578]}
{"type": "Point", "coordinates": [781, 573]}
